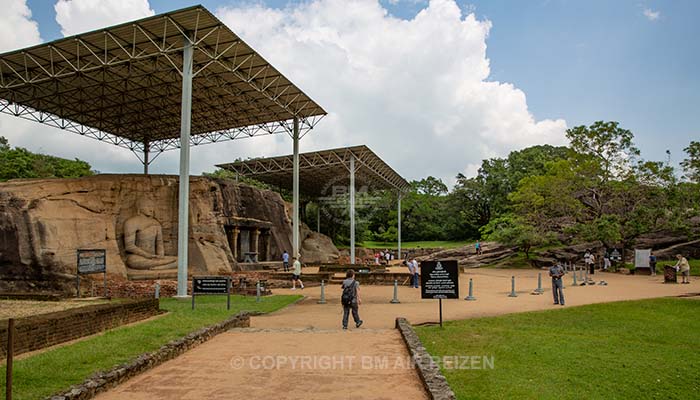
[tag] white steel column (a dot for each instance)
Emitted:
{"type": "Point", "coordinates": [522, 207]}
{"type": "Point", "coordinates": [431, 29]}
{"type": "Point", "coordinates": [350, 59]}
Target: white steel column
{"type": "Point", "coordinates": [399, 227]}
{"type": "Point", "coordinates": [318, 217]}
{"type": "Point", "coordinates": [184, 192]}
{"type": "Point", "coordinates": [146, 151]}
{"type": "Point", "coordinates": [295, 191]}
{"type": "Point", "coordinates": [352, 209]}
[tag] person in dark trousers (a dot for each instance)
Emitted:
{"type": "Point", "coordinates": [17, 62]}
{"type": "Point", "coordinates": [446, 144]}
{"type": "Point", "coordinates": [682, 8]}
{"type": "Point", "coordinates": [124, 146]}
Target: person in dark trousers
{"type": "Point", "coordinates": [652, 264]}
{"type": "Point", "coordinates": [285, 261]}
{"type": "Point", "coordinates": [557, 272]}
{"type": "Point", "coordinates": [350, 299]}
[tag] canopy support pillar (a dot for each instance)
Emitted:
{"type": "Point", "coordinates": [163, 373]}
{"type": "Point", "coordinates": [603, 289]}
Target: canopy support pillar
{"type": "Point", "coordinates": [184, 190]}
{"type": "Point", "coordinates": [295, 191]}
{"type": "Point", "coordinates": [146, 150]}
{"type": "Point", "coordinates": [318, 217]}
{"type": "Point", "coordinates": [399, 227]}
{"type": "Point", "coordinates": [352, 208]}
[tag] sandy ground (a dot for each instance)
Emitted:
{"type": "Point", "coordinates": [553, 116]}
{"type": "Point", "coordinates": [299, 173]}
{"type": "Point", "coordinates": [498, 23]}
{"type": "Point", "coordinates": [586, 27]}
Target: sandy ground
{"type": "Point", "coordinates": [283, 364]}
{"type": "Point", "coordinates": [365, 363]}
{"type": "Point", "coordinates": [25, 308]}
{"type": "Point", "coordinates": [491, 288]}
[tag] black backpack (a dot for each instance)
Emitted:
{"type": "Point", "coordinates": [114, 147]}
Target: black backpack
{"type": "Point", "coordinates": [349, 294]}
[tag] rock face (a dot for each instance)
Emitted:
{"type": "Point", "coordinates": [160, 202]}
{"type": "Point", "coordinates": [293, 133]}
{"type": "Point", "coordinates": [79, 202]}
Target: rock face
{"type": "Point", "coordinates": [43, 223]}
{"type": "Point", "coordinates": [466, 256]}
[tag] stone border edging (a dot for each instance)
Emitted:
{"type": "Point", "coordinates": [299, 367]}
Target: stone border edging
{"type": "Point", "coordinates": [105, 380]}
{"type": "Point", "coordinates": [433, 380]}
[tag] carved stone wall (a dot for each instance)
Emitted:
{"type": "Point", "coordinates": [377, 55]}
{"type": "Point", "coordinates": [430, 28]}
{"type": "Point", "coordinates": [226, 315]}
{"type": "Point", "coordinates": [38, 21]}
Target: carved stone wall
{"type": "Point", "coordinates": [44, 221]}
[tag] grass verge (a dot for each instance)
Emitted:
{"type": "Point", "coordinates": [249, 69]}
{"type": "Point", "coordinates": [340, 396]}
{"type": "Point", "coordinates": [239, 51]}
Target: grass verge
{"type": "Point", "coordinates": [49, 372]}
{"type": "Point", "coordinates": [624, 350]}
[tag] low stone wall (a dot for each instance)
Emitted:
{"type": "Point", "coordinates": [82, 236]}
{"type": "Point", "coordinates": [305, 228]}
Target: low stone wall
{"type": "Point", "coordinates": [105, 380]}
{"type": "Point", "coordinates": [434, 382]}
{"type": "Point", "coordinates": [41, 331]}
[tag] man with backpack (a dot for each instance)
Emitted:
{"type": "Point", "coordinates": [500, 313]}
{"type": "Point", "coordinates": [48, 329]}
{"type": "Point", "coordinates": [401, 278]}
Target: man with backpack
{"type": "Point", "coordinates": [350, 299]}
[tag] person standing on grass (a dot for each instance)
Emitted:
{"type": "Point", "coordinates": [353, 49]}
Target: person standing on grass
{"type": "Point", "coordinates": [557, 272]}
{"type": "Point", "coordinates": [285, 261]}
{"type": "Point", "coordinates": [296, 274]}
{"type": "Point", "coordinates": [350, 299]}
{"type": "Point", "coordinates": [683, 266]}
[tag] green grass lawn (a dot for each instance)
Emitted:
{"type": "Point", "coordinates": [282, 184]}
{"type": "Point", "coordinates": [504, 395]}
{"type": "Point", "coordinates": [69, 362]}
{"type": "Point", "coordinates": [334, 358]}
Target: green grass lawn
{"type": "Point", "coordinates": [694, 266]}
{"type": "Point", "coordinates": [626, 350]}
{"type": "Point", "coordinates": [414, 245]}
{"type": "Point", "coordinates": [49, 372]}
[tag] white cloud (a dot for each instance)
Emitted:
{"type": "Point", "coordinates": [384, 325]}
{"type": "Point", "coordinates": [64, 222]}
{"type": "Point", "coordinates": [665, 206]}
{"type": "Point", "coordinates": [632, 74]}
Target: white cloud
{"type": "Point", "coordinates": [417, 91]}
{"type": "Point", "coordinates": [17, 29]}
{"type": "Point", "coordinates": [651, 14]}
{"type": "Point", "coordinates": [77, 16]}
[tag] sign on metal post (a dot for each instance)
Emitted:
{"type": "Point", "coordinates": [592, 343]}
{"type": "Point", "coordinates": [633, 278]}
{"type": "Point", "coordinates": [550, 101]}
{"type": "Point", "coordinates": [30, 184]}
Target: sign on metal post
{"type": "Point", "coordinates": [207, 285]}
{"type": "Point", "coordinates": [10, 357]}
{"type": "Point", "coordinates": [439, 280]}
{"type": "Point", "coordinates": [91, 261]}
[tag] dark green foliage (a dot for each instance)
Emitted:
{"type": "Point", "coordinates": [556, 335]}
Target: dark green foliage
{"type": "Point", "coordinates": [20, 163]}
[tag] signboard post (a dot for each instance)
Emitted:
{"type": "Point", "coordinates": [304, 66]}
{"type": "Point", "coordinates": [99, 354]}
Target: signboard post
{"type": "Point", "coordinates": [91, 261]}
{"type": "Point", "coordinates": [212, 285]}
{"type": "Point", "coordinates": [440, 280]}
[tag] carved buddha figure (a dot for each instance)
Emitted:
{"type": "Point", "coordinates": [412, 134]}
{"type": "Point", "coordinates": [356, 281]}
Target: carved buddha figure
{"type": "Point", "coordinates": [143, 240]}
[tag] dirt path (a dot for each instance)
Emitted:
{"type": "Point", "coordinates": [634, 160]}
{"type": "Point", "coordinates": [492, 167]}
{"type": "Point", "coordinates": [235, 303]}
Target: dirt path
{"type": "Point", "coordinates": [491, 288]}
{"type": "Point", "coordinates": [284, 364]}
{"type": "Point", "coordinates": [268, 360]}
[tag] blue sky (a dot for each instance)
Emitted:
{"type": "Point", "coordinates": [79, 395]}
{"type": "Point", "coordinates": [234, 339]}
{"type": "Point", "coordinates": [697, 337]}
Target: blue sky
{"type": "Point", "coordinates": [635, 62]}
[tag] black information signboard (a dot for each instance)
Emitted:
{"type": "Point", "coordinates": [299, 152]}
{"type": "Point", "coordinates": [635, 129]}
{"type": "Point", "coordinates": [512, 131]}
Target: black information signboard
{"type": "Point", "coordinates": [212, 285]}
{"type": "Point", "coordinates": [615, 255]}
{"type": "Point", "coordinates": [439, 280]}
{"type": "Point", "coordinates": [91, 261]}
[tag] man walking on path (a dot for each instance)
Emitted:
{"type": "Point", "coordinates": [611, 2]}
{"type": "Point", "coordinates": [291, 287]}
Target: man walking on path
{"type": "Point", "coordinates": [477, 247]}
{"type": "Point", "coordinates": [683, 266]}
{"type": "Point", "coordinates": [296, 274]}
{"type": "Point", "coordinates": [556, 272]}
{"type": "Point", "coordinates": [350, 299]}
{"type": "Point", "coordinates": [285, 261]}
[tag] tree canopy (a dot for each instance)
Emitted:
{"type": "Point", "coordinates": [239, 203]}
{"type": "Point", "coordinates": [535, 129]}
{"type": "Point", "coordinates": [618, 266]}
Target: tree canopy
{"type": "Point", "coordinates": [19, 163]}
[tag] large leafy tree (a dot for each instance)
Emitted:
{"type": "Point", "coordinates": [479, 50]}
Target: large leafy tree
{"type": "Point", "coordinates": [611, 146]}
{"type": "Point", "coordinates": [599, 192]}
{"type": "Point", "coordinates": [691, 164]}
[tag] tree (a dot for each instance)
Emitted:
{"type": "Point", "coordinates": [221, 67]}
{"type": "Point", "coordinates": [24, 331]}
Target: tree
{"type": "Point", "coordinates": [430, 186]}
{"type": "Point", "coordinates": [513, 231]}
{"type": "Point", "coordinates": [691, 165]}
{"type": "Point", "coordinates": [609, 144]}
{"type": "Point", "coordinates": [19, 163]}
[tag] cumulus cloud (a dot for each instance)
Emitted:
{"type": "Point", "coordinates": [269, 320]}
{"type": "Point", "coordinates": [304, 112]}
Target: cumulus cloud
{"type": "Point", "coordinates": [651, 14]}
{"type": "Point", "coordinates": [17, 28]}
{"type": "Point", "coordinates": [416, 91]}
{"type": "Point", "coordinates": [77, 16]}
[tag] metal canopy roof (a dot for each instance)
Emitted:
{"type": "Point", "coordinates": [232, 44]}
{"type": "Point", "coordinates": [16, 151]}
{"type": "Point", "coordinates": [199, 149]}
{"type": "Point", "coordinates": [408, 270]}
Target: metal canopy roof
{"type": "Point", "coordinates": [123, 84]}
{"type": "Point", "coordinates": [319, 171]}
